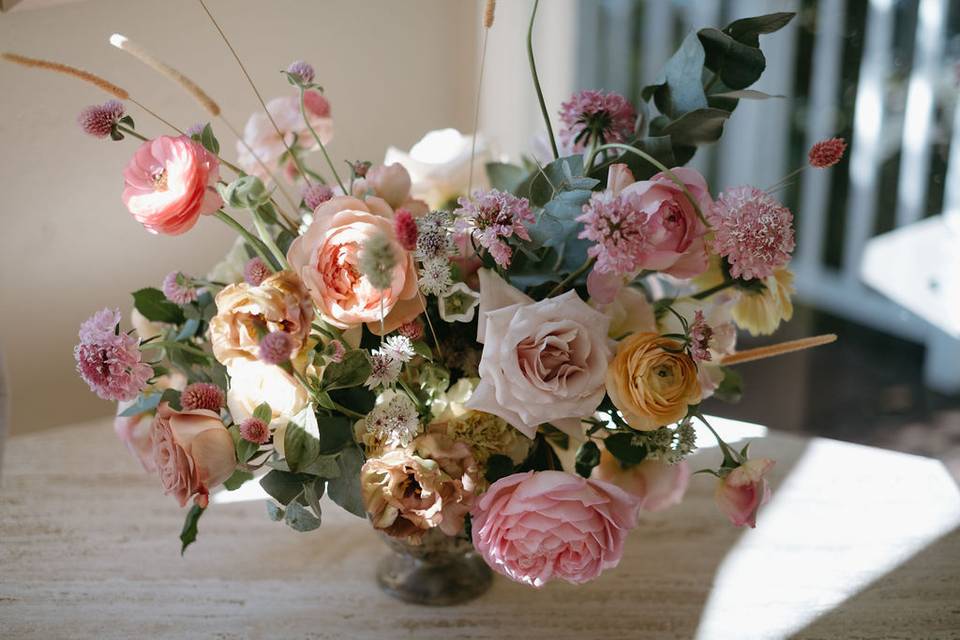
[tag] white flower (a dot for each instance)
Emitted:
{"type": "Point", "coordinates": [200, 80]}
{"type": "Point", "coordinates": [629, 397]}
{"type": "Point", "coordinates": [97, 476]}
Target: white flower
{"type": "Point", "coordinates": [439, 165]}
{"type": "Point", "coordinates": [384, 368]}
{"type": "Point", "coordinates": [459, 303]}
{"type": "Point", "coordinates": [435, 276]}
{"type": "Point", "coordinates": [400, 347]}
{"type": "Point", "coordinates": [394, 421]}
{"type": "Point", "coordinates": [253, 382]}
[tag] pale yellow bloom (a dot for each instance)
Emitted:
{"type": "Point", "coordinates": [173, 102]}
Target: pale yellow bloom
{"type": "Point", "coordinates": [761, 313]}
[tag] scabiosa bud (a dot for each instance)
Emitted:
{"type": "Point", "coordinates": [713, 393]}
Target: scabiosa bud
{"type": "Point", "coordinates": [177, 288]}
{"type": "Point", "coordinates": [276, 347]}
{"type": "Point", "coordinates": [316, 194]}
{"type": "Point", "coordinates": [700, 335]}
{"type": "Point", "coordinates": [406, 229]}
{"type": "Point", "coordinates": [202, 395]}
{"type": "Point", "coordinates": [99, 120]}
{"type": "Point", "coordinates": [752, 231]}
{"type": "Point", "coordinates": [377, 260]}
{"type": "Point", "coordinates": [412, 330]}
{"type": "Point", "coordinates": [301, 69]}
{"type": "Point", "coordinates": [255, 430]}
{"type": "Point", "coordinates": [255, 271]}
{"type": "Point", "coordinates": [361, 167]}
{"type": "Point", "coordinates": [827, 153]}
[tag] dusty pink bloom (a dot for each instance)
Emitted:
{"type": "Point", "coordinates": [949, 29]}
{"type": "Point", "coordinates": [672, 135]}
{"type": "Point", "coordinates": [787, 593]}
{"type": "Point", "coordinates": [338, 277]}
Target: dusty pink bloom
{"type": "Point", "coordinates": [536, 526]}
{"type": "Point", "coordinates": [98, 120]}
{"type": "Point", "coordinates": [134, 432]}
{"type": "Point", "coordinates": [827, 153]}
{"type": "Point", "coordinates": [658, 485]}
{"type": "Point", "coordinates": [170, 182]}
{"type": "Point", "coordinates": [276, 347]}
{"type": "Point", "coordinates": [337, 351]}
{"type": "Point", "coordinates": [316, 194]}
{"type": "Point", "coordinates": [176, 286]}
{"type": "Point", "coordinates": [596, 116]}
{"type": "Point", "coordinates": [743, 491]}
{"type": "Point", "coordinates": [493, 217]}
{"type": "Point", "coordinates": [406, 229]}
{"type": "Point", "coordinates": [254, 430]}
{"type": "Point", "coordinates": [302, 69]}
{"type": "Point", "coordinates": [390, 182]}
{"type": "Point", "coordinates": [752, 231]}
{"type": "Point", "coordinates": [700, 335]}
{"type": "Point", "coordinates": [202, 395]}
{"type": "Point", "coordinates": [619, 232]}
{"type": "Point", "coordinates": [412, 330]}
{"type": "Point", "coordinates": [256, 271]}
{"type": "Point", "coordinates": [108, 360]}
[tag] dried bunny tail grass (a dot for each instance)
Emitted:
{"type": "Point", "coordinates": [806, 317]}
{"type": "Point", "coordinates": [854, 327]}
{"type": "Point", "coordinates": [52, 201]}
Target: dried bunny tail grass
{"type": "Point", "coordinates": [488, 13]}
{"type": "Point", "coordinates": [66, 69]}
{"type": "Point", "coordinates": [124, 43]}
{"type": "Point", "coordinates": [769, 351]}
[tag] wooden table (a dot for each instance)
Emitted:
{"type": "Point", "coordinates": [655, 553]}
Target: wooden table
{"type": "Point", "coordinates": [857, 543]}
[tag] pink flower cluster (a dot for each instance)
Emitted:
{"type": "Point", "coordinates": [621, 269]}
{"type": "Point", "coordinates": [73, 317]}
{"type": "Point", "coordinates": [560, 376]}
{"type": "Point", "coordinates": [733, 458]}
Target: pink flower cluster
{"type": "Point", "coordinates": [752, 231]}
{"type": "Point", "coordinates": [99, 120]}
{"type": "Point", "coordinates": [597, 116]}
{"type": "Point", "coordinates": [108, 360]}
{"type": "Point", "coordinates": [493, 217]}
{"type": "Point", "coordinates": [700, 335]}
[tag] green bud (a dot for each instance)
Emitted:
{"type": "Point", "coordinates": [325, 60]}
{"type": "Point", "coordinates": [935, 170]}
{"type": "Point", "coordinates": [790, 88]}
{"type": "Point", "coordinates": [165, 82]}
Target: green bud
{"type": "Point", "coordinates": [246, 192]}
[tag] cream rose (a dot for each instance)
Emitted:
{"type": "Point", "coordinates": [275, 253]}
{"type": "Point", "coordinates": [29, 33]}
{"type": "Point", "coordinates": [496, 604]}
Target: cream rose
{"type": "Point", "coordinates": [326, 257]}
{"type": "Point", "coordinates": [253, 382]}
{"type": "Point", "coordinates": [542, 361]}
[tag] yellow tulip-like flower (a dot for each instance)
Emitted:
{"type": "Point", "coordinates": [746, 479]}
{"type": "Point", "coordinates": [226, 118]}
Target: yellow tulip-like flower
{"type": "Point", "coordinates": [651, 381]}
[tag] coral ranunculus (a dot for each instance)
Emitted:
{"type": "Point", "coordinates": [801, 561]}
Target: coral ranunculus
{"type": "Point", "coordinates": [170, 182]}
{"type": "Point", "coordinates": [536, 526]}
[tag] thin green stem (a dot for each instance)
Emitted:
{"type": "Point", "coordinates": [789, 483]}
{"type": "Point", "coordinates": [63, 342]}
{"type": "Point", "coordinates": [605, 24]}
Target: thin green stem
{"type": "Point", "coordinates": [252, 240]}
{"type": "Point", "coordinates": [706, 293]}
{"type": "Point", "coordinates": [536, 82]}
{"type": "Point", "coordinates": [267, 239]}
{"type": "Point", "coordinates": [323, 149]}
{"type": "Point", "coordinates": [572, 277]}
{"type": "Point", "coordinates": [173, 344]}
{"type": "Point", "coordinates": [131, 132]}
{"type": "Point", "coordinates": [728, 453]}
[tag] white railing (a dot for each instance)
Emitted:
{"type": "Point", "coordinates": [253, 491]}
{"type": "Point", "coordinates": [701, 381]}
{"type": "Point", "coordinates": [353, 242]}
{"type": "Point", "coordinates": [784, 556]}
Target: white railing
{"type": "Point", "coordinates": [755, 146]}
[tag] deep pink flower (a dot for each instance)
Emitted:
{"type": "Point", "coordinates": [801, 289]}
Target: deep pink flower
{"type": "Point", "coordinates": [406, 229]}
{"type": "Point", "coordinates": [255, 431]}
{"type": "Point", "coordinates": [752, 231]}
{"type": "Point", "coordinates": [108, 360]}
{"type": "Point", "coordinates": [598, 116]}
{"type": "Point", "coordinates": [536, 526]}
{"type": "Point", "coordinates": [316, 194]}
{"type": "Point", "coordinates": [700, 335]}
{"type": "Point", "coordinates": [412, 330]}
{"type": "Point", "coordinates": [202, 395]}
{"type": "Point", "coordinates": [99, 120]}
{"type": "Point", "coordinates": [827, 153]}
{"type": "Point", "coordinates": [276, 347]}
{"type": "Point", "coordinates": [493, 217]}
{"type": "Point", "coordinates": [256, 271]}
{"type": "Point", "coordinates": [177, 288]}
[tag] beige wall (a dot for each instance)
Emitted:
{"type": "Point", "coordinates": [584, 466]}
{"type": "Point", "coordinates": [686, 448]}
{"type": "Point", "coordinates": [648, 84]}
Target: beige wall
{"type": "Point", "coordinates": [392, 71]}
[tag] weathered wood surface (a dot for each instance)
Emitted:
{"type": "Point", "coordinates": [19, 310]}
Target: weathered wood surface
{"type": "Point", "coordinates": [857, 543]}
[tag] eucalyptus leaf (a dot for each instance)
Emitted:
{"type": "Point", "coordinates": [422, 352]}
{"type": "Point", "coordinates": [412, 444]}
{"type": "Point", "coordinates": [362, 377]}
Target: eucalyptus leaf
{"type": "Point", "coordinates": [209, 141]}
{"type": "Point", "coordinates": [345, 490]}
{"type": "Point", "coordinates": [504, 176]}
{"type": "Point", "coordinates": [144, 403]}
{"type": "Point", "coordinates": [696, 127]}
{"type": "Point", "coordinates": [299, 518]}
{"type": "Point", "coordinates": [312, 492]}
{"type": "Point", "coordinates": [154, 306]}
{"type": "Point", "coordinates": [679, 89]}
{"type": "Point", "coordinates": [282, 486]}
{"type": "Point", "coordinates": [301, 439]}
{"type": "Point", "coordinates": [748, 30]}
{"type": "Point", "coordinates": [189, 329]}
{"type": "Point", "coordinates": [323, 467]}
{"type": "Point", "coordinates": [336, 432]}
{"type": "Point", "coordinates": [274, 511]}
{"type": "Point", "coordinates": [352, 371]}
{"type": "Point", "coordinates": [238, 479]}
{"type": "Point", "coordinates": [263, 413]}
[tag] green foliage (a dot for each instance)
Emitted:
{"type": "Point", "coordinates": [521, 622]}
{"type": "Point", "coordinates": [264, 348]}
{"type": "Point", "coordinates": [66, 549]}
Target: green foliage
{"type": "Point", "coordinates": [155, 307]}
{"type": "Point", "coordinates": [145, 402]}
{"type": "Point", "coordinates": [622, 447]}
{"type": "Point", "coordinates": [504, 176]}
{"type": "Point", "coordinates": [678, 90]}
{"type": "Point", "coordinates": [542, 457]}
{"type": "Point", "coordinates": [498, 466]}
{"type": "Point", "coordinates": [282, 486]}
{"type": "Point", "coordinates": [237, 480]}
{"type": "Point", "coordinates": [172, 398]}
{"type": "Point", "coordinates": [345, 489]}
{"type": "Point", "coordinates": [301, 439]}
{"type": "Point", "coordinates": [336, 432]}
{"type": "Point", "coordinates": [588, 456]}
{"type": "Point", "coordinates": [263, 413]}
{"type": "Point", "coordinates": [731, 387]}
{"type": "Point", "coordinates": [188, 534]}
{"type": "Point", "coordinates": [209, 141]}
{"type": "Point", "coordinates": [351, 372]}
{"type": "Point", "coordinates": [244, 448]}
{"type": "Point", "coordinates": [299, 518]}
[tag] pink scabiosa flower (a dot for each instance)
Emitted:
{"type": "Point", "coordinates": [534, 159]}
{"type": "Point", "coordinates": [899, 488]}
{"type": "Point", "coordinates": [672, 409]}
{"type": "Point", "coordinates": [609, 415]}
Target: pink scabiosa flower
{"type": "Point", "coordinates": [109, 361]}
{"type": "Point", "coordinates": [276, 347]}
{"type": "Point", "coordinates": [202, 395]}
{"type": "Point", "coordinates": [493, 217]}
{"type": "Point", "coordinates": [256, 271]}
{"type": "Point", "coordinates": [700, 335]}
{"type": "Point", "coordinates": [412, 330]}
{"type": "Point", "coordinates": [752, 231]}
{"type": "Point", "coordinates": [827, 153]}
{"type": "Point", "coordinates": [406, 229]}
{"type": "Point", "coordinates": [619, 232]}
{"type": "Point", "coordinates": [301, 69]}
{"type": "Point", "coordinates": [255, 430]}
{"type": "Point", "coordinates": [596, 116]}
{"type": "Point", "coordinates": [316, 194]}
{"type": "Point", "coordinates": [177, 288]}
{"type": "Point", "coordinates": [336, 351]}
{"type": "Point", "coordinates": [99, 120]}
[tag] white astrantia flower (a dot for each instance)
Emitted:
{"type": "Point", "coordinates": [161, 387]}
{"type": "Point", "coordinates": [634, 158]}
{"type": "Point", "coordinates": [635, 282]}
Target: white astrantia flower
{"type": "Point", "coordinates": [459, 303]}
{"type": "Point", "coordinates": [384, 368]}
{"type": "Point", "coordinates": [394, 420]}
{"type": "Point", "coordinates": [435, 276]}
{"type": "Point", "coordinates": [400, 347]}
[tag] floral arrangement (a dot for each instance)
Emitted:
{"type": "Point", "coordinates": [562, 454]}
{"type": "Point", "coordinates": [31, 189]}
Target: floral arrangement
{"type": "Point", "coordinates": [511, 353]}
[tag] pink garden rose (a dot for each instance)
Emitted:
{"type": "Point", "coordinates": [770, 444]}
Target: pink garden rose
{"type": "Point", "coordinates": [658, 485]}
{"type": "Point", "coordinates": [742, 492]}
{"type": "Point", "coordinates": [536, 526]}
{"type": "Point", "coordinates": [170, 182]}
{"type": "Point", "coordinates": [326, 257]}
{"type": "Point", "coordinates": [192, 451]}
{"type": "Point", "coordinates": [542, 361]}
{"type": "Point", "coordinates": [390, 183]}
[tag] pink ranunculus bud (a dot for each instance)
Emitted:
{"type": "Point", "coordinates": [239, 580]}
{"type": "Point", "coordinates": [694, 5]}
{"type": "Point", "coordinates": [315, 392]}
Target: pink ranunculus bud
{"type": "Point", "coordinates": [390, 182]}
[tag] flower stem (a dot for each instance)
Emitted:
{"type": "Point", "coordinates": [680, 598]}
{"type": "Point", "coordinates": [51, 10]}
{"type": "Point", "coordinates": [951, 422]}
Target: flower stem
{"type": "Point", "coordinates": [267, 239]}
{"type": "Point", "coordinates": [323, 149]}
{"type": "Point", "coordinates": [728, 453]}
{"type": "Point", "coordinates": [131, 132]}
{"type": "Point", "coordinates": [572, 277]}
{"type": "Point", "coordinates": [536, 82]}
{"type": "Point", "coordinates": [252, 240]}
{"type": "Point", "coordinates": [706, 293]}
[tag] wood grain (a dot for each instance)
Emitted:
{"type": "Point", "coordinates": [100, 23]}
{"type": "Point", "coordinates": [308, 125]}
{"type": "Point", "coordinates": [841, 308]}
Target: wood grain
{"type": "Point", "coordinates": [89, 549]}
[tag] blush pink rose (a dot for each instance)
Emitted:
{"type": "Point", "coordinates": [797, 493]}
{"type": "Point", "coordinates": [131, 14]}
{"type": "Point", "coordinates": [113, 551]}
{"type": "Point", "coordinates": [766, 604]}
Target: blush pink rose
{"type": "Point", "coordinates": [326, 257]}
{"type": "Point", "coordinates": [134, 432]}
{"type": "Point", "coordinates": [192, 451]}
{"type": "Point", "coordinates": [657, 484]}
{"type": "Point", "coordinates": [170, 182]}
{"type": "Point", "coordinates": [536, 526]}
{"type": "Point", "coordinates": [674, 231]}
{"type": "Point", "coordinates": [542, 361]}
{"type": "Point", "coordinates": [392, 184]}
{"type": "Point", "coordinates": [743, 491]}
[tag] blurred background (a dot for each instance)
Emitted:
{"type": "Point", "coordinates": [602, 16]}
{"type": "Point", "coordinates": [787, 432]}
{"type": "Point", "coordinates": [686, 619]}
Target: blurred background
{"type": "Point", "coordinates": [876, 259]}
